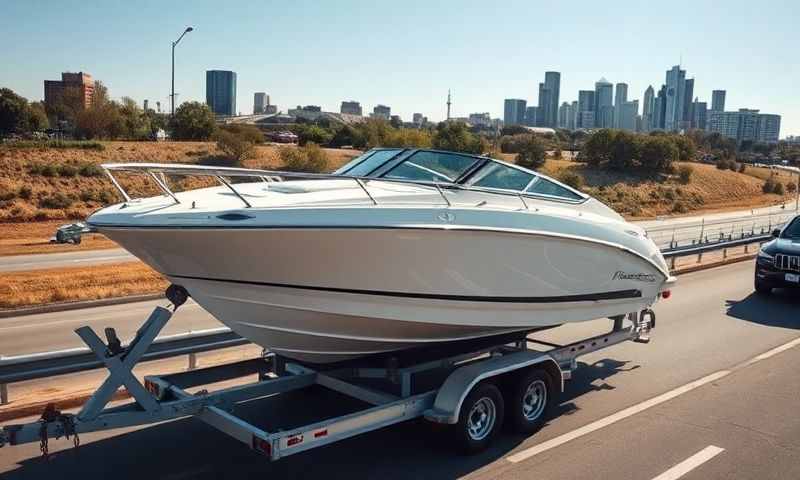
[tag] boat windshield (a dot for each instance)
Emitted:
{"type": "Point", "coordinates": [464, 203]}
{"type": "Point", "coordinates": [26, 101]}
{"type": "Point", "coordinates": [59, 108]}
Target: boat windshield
{"type": "Point", "coordinates": [429, 166]}
{"type": "Point", "coordinates": [498, 175]}
{"type": "Point", "coordinates": [793, 230]}
{"type": "Point", "coordinates": [363, 165]}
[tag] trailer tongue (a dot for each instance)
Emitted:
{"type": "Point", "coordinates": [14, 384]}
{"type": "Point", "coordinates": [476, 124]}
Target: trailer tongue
{"type": "Point", "coordinates": [473, 390]}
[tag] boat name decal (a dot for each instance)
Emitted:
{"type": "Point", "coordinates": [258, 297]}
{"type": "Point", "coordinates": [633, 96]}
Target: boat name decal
{"type": "Point", "coordinates": [641, 277]}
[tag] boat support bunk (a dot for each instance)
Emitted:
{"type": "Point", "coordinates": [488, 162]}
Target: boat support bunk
{"type": "Point", "coordinates": [478, 385]}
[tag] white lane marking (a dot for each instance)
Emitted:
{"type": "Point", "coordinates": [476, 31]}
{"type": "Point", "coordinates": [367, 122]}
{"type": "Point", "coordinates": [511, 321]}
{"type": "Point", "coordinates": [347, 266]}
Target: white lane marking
{"type": "Point", "coordinates": [774, 351]}
{"type": "Point", "coordinates": [690, 463]}
{"type": "Point", "coordinates": [66, 261]}
{"type": "Point", "coordinates": [622, 414]}
{"type": "Point", "coordinates": [83, 319]}
{"type": "Point", "coordinates": [604, 422]}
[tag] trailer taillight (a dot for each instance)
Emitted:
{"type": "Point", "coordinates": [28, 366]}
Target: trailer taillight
{"type": "Point", "coordinates": [294, 440]}
{"type": "Point", "coordinates": [321, 433]}
{"type": "Point", "coordinates": [666, 294]}
{"type": "Point", "coordinates": [261, 445]}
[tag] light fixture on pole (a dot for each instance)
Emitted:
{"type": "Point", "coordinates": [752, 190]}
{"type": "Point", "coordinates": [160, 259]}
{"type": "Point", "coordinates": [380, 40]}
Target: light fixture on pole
{"type": "Point", "coordinates": [172, 94]}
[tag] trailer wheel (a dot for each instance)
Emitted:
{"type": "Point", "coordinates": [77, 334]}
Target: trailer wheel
{"type": "Point", "coordinates": [530, 401]}
{"type": "Point", "coordinates": [480, 417]}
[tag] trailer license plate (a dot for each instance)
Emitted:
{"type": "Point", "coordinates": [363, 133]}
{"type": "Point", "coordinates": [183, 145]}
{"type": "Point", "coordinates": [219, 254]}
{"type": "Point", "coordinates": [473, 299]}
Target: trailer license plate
{"type": "Point", "coordinates": [792, 277]}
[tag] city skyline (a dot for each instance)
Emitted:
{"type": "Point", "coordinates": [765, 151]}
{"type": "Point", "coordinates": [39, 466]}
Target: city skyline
{"type": "Point", "coordinates": [128, 49]}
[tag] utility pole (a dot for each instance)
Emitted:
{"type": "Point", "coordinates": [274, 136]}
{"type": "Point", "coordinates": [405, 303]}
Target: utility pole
{"type": "Point", "coordinates": [172, 94]}
{"type": "Point", "coordinates": [448, 104]}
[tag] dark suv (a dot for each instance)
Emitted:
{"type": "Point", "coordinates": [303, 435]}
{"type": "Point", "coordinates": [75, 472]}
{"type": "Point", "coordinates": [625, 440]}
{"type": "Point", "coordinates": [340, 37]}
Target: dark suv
{"type": "Point", "coordinates": [778, 261]}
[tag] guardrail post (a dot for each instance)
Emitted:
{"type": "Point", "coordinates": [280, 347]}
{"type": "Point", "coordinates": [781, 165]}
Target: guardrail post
{"type": "Point", "coordinates": [192, 361]}
{"type": "Point", "coordinates": [746, 248]}
{"type": "Point", "coordinates": [672, 263]}
{"type": "Point", "coordinates": [3, 394]}
{"type": "Point", "coordinates": [699, 257]}
{"type": "Point", "coordinates": [724, 253]}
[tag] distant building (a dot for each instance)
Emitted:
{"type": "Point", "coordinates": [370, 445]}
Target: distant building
{"type": "Point", "coordinates": [586, 104]}
{"type": "Point", "coordinates": [718, 101]}
{"type": "Point", "coordinates": [260, 102]}
{"type": "Point", "coordinates": [629, 111]}
{"type": "Point", "coordinates": [620, 97]}
{"type": "Point", "coordinates": [676, 83]}
{"type": "Point", "coordinates": [483, 119]}
{"type": "Point", "coordinates": [221, 92]}
{"type": "Point", "coordinates": [80, 84]}
{"type": "Point", "coordinates": [533, 116]}
{"type": "Point", "coordinates": [382, 111]}
{"type": "Point", "coordinates": [648, 108]}
{"type": "Point", "coordinates": [549, 91]}
{"type": "Point", "coordinates": [745, 125]}
{"type": "Point", "coordinates": [688, 111]}
{"type": "Point", "coordinates": [660, 109]}
{"type": "Point", "coordinates": [271, 109]}
{"type": "Point", "coordinates": [417, 119]}
{"type": "Point", "coordinates": [572, 123]}
{"type": "Point", "coordinates": [699, 110]}
{"type": "Point", "coordinates": [351, 107]}
{"type": "Point", "coordinates": [603, 106]}
{"type": "Point", "coordinates": [146, 105]}
{"type": "Point", "coordinates": [514, 111]}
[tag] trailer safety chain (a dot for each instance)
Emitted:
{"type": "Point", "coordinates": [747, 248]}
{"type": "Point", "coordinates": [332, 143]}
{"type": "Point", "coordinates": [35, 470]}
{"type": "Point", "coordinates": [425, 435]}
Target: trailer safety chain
{"type": "Point", "coordinates": [67, 421]}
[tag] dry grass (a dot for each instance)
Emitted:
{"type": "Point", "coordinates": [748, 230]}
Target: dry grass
{"type": "Point", "coordinates": [90, 193]}
{"type": "Point", "coordinates": [635, 197]}
{"type": "Point", "coordinates": [782, 176]}
{"type": "Point", "coordinates": [21, 289]}
{"type": "Point", "coordinates": [34, 237]}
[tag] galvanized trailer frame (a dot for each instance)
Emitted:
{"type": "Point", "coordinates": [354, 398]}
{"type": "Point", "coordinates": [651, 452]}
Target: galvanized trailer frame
{"type": "Point", "coordinates": [166, 397]}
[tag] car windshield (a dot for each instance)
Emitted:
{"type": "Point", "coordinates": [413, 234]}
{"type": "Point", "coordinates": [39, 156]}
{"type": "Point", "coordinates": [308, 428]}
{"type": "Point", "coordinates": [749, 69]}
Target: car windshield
{"type": "Point", "coordinates": [428, 166]}
{"type": "Point", "coordinates": [793, 230]}
{"type": "Point", "coordinates": [365, 164]}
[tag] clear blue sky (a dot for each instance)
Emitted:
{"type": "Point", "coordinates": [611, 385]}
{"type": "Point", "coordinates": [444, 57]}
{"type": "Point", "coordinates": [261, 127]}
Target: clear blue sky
{"type": "Point", "coordinates": [406, 54]}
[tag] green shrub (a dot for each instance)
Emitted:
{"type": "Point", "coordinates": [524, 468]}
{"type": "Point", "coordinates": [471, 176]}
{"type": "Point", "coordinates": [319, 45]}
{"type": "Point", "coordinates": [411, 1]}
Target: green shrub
{"type": "Point", "coordinates": [105, 197]}
{"type": "Point", "coordinates": [56, 200]}
{"type": "Point", "coordinates": [669, 194]}
{"type": "Point", "coordinates": [87, 196]}
{"type": "Point", "coordinates": [67, 170]}
{"type": "Point", "coordinates": [25, 192]}
{"type": "Point", "coordinates": [685, 173]}
{"type": "Point", "coordinates": [76, 144]}
{"type": "Point", "coordinates": [571, 178]}
{"type": "Point", "coordinates": [49, 170]}
{"type": "Point", "coordinates": [251, 133]}
{"type": "Point", "coordinates": [679, 207]}
{"type": "Point", "coordinates": [791, 187]}
{"type": "Point", "coordinates": [309, 158]}
{"type": "Point", "coordinates": [90, 170]}
{"type": "Point", "coordinates": [235, 147]}
{"type": "Point", "coordinates": [532, 153]}
{"type": "Point", "coordinates": [778, 189]}
{"type": "Point", "coordinates": [6, 195]}
{"type": "Point", "coordinates": [769, 185]}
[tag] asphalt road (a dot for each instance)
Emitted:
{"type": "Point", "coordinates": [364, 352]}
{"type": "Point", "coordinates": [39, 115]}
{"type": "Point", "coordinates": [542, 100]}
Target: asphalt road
{"type": "Point", "coordinates": [713, 323]}
{"type": "Point", "coordinates": [15, 263]}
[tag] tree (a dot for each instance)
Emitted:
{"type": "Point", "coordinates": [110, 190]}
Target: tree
{"type": "Point", "coordinates": [532, 154]}
{"type": "Point", "coordinates": [597, 149]}
{"type": "Point", "coordinates": [13, 112]}
{"type": "Point", "coordinates": [623, 153]}
{"type": "Point", "coordinates": [314, 134]}
{"type": "Point", "coordinates": [136, 124]}
{"type": "Point", "coordinates": [686, 147]}
{"type": "Point", "coordinates": [236, 146]}
{"type": "Point", "coordinates": [656, 153]}
{"type": "Point", "coordinates": [456, 137]}
{"type": "Point", "coordinates": [193, 121]}
{"type": "Point", "coordinates": [37, 117]}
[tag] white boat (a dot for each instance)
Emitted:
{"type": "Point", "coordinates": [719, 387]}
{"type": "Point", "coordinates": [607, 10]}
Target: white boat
{"type": "Point", "coordinates": [400, 248]}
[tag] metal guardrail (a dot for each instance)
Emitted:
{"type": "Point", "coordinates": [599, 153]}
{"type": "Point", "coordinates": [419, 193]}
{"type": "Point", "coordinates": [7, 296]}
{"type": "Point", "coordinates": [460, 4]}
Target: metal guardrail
{"type": "Point", "coordinates": [690, 234]}
{"type": "Point", "coordinates": [48, 364]}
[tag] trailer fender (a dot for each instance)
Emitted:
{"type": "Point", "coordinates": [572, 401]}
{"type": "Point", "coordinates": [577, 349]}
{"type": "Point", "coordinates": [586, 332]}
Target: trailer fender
{"type": "Point", "coordinates": [459, 383]}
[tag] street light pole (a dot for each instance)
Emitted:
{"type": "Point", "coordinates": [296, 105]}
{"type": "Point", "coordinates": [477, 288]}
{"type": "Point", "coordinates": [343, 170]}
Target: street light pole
{"type": "Point", "coordinates": [172, 95]}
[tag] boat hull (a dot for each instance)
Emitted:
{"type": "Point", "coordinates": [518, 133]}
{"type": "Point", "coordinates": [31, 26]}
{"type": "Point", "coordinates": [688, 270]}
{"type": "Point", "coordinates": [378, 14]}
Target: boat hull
{"type": "Point", "coordinates": [330, 294]}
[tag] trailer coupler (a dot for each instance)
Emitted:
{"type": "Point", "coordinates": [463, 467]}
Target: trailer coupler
{"type": "Point", "coordinates": [645, 322]}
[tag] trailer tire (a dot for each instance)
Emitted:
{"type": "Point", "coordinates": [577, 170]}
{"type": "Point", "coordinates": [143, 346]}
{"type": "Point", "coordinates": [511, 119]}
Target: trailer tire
{"type": "Point", "coordinates": [530, 401]}
{"type": "Point", "coordinates": [480, 418]}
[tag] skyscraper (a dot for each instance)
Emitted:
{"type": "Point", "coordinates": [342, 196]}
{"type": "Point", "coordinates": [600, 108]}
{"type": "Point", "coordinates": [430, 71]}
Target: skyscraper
{"type": "Point", "coordinates": [259, 102]}
{"type": "Point", "coordinates": [514, 111]}
{"type": "Point", "coordinates": [688, 111]}
{"type": "Point", "coordinates": [351, 107]}
{"type": "Point", "coordinates": [585, 118]}
{"type": "Point", "coordinates": [745, 125]}
{"type": "Point", "coordinates": [221, 92]}
{"type": "Point", "coordinates": [718, 101]}
{"type": "Point", "coordinates": [573, 118]}
{"type": "Point", "coordinates": [563, 115]}
{"type": "Point", "coordinates": [676, 83]}
{"type": "Point", "coordinates": [627, 115]}
{"type": "Point", "coordinates": [549, 92]}
{"type": "Point", "coordinates": [603, 108]}
{"type": "Point", "coordinates": [620, 97]}
{"type": "Point", "coordinates": [699, 110]}
{"type": "Point", "coordinates": [533, 116]}
{"type": "Point", "coordinates": [649, 105]}
{"type": "Point", "coordinates": [660, 109]}
{"type": "Point", "coordinates": [382, 111]}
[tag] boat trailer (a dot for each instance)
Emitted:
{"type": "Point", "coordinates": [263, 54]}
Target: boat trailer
{"type": "Point", "coordinates": [499, 374]}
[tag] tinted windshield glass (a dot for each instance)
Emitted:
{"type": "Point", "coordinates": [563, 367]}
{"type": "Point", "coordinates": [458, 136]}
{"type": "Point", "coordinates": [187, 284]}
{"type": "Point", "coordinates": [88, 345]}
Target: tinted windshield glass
{"type": "Point", "coordinates": [497, 175]}
{"type": "Point", "coordinates": [364, 164]}
{"type": "Point", "coordinates": [793, 230]}
{"type": "Point", "coordinates": [546, 187]}
{"type": "Point", "coordinates": [432, 167]}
